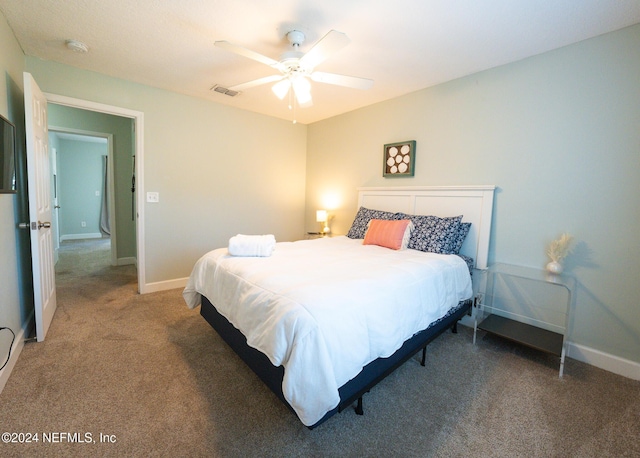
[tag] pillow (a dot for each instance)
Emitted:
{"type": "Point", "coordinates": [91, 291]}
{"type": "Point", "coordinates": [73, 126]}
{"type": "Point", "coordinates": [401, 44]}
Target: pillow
{"type": "Point", "coordinates": [364, 215]}
{"type": "Point", "coordinates": [431, 233]}
{"type": "Point", "coordinates": [469, 261]}
{"type": "Point", "coordinates": [388, 234]}
{"type": "Point", "coordinates": [458, 238]}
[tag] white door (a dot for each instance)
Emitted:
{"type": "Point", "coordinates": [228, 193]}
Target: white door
{"type": "Point", "coordinates": [40, 208]}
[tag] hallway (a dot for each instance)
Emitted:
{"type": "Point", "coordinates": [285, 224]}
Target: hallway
{"type": "Point", "coordinates": [84, 271]}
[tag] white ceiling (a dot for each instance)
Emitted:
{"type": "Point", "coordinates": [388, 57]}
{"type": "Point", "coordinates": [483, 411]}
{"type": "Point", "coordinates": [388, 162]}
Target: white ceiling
{"type": "Point", "coordinates": [403, 45]}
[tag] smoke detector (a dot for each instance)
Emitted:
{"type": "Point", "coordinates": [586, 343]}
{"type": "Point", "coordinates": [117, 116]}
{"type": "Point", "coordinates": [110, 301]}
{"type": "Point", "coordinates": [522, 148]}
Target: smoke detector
{"type": "Point", "coordinates": [76, 46]}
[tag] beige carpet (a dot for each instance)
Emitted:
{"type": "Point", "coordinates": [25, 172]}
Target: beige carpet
{"type": "Point", "coordinates": [152, 375]}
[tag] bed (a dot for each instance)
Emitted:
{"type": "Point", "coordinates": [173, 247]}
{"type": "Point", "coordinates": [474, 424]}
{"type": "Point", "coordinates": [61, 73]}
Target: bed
{"type": "Point", "coordinates": [323, 321]}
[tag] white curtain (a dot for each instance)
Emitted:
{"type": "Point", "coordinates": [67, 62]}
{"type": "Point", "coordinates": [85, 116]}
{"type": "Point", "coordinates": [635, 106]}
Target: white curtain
{"type": "Point", "coordinates": [105, 224]}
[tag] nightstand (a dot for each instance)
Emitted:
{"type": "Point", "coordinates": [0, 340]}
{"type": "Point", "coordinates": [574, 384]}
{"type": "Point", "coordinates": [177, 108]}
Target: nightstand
{"type": "Point", "coordinates": [528, 306]}
{"type": "Point", "coordinates": [316, 235]}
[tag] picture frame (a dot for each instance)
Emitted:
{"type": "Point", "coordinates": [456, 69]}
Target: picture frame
{"type": "Point", "coordinates": [399, 159]}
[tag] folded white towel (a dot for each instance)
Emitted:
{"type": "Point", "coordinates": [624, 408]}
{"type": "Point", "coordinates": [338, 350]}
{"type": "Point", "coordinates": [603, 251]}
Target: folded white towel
{"type": "Point", "coordinates": [252, 245]}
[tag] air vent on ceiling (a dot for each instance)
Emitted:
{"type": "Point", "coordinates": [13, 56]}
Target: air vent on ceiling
{"type": "Point", "coordinates": [224, 90]}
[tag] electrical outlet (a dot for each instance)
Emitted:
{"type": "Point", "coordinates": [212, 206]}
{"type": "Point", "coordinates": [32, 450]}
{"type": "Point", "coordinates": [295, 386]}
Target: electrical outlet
{"type": "Point", "coordinates": [83, 224]}
{"type": "Point", "coordinates": [153, 197]}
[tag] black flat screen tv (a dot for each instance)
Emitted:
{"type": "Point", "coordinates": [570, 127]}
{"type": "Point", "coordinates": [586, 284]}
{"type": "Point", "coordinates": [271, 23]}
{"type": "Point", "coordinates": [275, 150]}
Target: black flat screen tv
{"type": "Point", "coordinates": [7, 156]}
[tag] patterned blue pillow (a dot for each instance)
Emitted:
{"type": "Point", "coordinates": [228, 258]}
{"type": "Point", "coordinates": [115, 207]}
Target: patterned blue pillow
{"type": "Point", "coordinates": [431, 233]}
{"type": "Point", "coordinates": [359, 227]}
{"type": "Point", "coordinates": [458, 238]}
{"type": "Point", "coordinates": [470, 263]}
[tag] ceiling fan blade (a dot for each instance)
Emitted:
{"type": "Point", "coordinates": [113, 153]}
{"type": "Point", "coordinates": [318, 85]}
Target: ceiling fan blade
{"type": "Point", "coordinates": [258, 82]}
{"type": "Point", "coordinates": [342, 80]}
{"type": "Point", "coordinates": [329, 44]}
{"type": "Point", "coordinates": [247, 53]}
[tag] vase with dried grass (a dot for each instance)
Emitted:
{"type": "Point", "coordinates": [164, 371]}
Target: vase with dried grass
{"type": "Point", "coordinates": [557, 251]}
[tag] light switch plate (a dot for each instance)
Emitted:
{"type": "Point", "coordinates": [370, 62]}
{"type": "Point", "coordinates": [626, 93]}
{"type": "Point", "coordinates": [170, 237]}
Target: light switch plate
{"type": "Point", "coordinates": [153, 197]}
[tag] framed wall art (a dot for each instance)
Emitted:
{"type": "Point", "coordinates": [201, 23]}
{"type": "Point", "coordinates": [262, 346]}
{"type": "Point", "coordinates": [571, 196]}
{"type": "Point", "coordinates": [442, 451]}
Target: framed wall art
{"type": "Point", "coordinates": [399, 159]}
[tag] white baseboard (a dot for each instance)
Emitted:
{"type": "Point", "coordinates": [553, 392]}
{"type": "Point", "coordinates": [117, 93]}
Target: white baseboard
{"type": "Point", "coordinates": [591, 356]}
{"type": "Point", "coordinates": [93, 235]}
{"type": "Point", "coordinates": [164, 285]}
{"type": "Point", "coordinates": [611, 363]}
{"type": "Point", "coordinates": [16, 349]}
{"type": "Point", "coordinates": [126, 261]}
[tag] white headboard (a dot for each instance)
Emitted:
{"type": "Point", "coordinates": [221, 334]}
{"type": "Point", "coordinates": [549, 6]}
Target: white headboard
{"type": "Point", "coordinates": [475, 203]}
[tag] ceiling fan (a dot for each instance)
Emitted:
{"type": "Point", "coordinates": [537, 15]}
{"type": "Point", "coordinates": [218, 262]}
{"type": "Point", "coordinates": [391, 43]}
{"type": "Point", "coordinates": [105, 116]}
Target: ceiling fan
{"type": "Point", "coordinates": [296, 67]}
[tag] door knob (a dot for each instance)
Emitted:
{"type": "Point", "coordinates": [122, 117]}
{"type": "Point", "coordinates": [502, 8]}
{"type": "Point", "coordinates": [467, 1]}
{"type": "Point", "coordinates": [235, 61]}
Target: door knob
{"type": "Point", "coordinates": [46, 225]}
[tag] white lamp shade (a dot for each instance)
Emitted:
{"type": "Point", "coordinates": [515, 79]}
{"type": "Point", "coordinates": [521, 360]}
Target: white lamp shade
{"type": "Point", "coordinates": [304, 98]}
{"type": "Point", "coordinates": [321, 216]}
{"type": "Point", "coordinates": [281, 88]}
{"type": "Point", "coordinates": [302, 89]}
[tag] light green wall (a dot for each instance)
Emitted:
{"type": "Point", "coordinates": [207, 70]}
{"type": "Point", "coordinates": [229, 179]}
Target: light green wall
{"type": "Point", "coordinates": [16, 291]}
{"type": "Point", "coordinates": [123, 150]}
{"type": "Point", "coordinates": [219, 170]}
{"type": "Point", "coordinates": [559, 134]}
{"type": "Point", "coordinates": [80, 177]}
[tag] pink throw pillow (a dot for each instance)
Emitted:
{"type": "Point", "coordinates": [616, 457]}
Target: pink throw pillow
{"type": "Point", "coordinates": [392, 234]}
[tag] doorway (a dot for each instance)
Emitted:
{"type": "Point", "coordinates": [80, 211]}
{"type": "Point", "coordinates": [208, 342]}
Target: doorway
{"type": "Point", "coordinates": [82, 188]}
{"type": "Point", "coordinates": [124, 173]}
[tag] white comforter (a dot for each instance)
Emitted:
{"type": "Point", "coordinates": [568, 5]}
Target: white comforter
{"type": "Point", "coordinates": [325, 308]}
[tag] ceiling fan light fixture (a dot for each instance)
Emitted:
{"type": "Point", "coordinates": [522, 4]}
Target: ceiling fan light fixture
{"type": "Point", "coordinates": [300, 83]}
{"type": "Point", "coordinates": [297, 68]}
{"type": "Point", "coordinates": [303, 98]}
{"type": "Point", "coordinates": [281, 88]}
{"type": "Point", "coordinates": [302, 90]}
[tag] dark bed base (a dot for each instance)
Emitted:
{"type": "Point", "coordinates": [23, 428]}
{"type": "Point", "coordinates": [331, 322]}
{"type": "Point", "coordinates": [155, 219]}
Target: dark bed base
{"type": "Point", "coordinates": [355, 388]}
